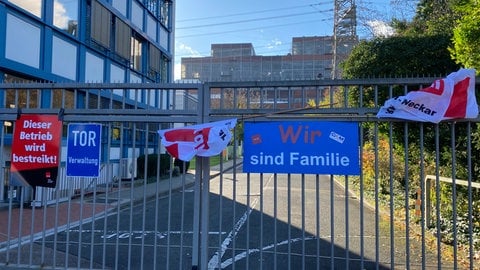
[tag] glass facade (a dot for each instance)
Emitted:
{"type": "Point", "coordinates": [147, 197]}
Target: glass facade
{"type": "Point", "coordinates": [65, 15]}
{"type": "Point", "coordinates": [73, 40]}
{"type": "Point", "coordinates": [310, 59]}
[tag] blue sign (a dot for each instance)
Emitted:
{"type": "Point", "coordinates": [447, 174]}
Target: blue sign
{"type": "Point", "coordinates": [83, 150]}
{"type": "Point", "coordinates": [310, 147]}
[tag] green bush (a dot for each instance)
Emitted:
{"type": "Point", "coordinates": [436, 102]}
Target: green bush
{"type": "Point", "coordinates": [152, 161]}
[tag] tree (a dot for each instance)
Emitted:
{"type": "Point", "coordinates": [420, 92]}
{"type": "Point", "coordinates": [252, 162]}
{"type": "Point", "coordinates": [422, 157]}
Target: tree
{"type": "Point", "coordinates": [466, 37]}
{"type": "Point", "coordinates": [400, 56]}
{"type": "Point", "coordinates": [433, 17]}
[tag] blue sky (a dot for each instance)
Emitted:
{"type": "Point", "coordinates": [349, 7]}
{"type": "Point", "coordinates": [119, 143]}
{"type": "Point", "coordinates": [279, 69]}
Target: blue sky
{"type": "Point", "coordinates": [271, 25]}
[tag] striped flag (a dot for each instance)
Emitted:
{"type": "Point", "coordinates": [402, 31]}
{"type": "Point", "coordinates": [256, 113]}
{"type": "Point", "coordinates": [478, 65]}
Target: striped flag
{"type": "Point", "coordinates": [204, 140]}
{"type": "Point", "coordinates": [450, 98]}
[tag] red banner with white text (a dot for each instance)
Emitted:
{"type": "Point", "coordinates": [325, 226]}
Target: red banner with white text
{"type": "Point", "coordinates": [35, 151]}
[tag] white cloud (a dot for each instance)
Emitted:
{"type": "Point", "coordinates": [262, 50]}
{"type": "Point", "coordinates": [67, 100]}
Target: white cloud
{"type": "Point", "coordinates": [380, 28]}
{"type": "Point", "coordinates": [182, 50]}
{"type": "Point", "coordinates": [60, 17]}
{"type": "Point", "coordinates": [274, 43]}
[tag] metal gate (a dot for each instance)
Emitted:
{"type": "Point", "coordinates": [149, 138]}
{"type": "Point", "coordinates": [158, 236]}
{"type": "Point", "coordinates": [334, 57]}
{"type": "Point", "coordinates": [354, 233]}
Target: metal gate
{"type": "Point", "coordinates": [414, 206]}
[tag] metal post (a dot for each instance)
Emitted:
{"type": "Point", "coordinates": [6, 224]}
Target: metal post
{"type": "Point", "coordinates": [196, 214]}
{"type": "Point", "coordinates": [205, 212]}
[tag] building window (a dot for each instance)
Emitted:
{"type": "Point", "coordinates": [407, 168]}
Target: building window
{"type": "Point", "coordinates": [34, 7]}
{"type": "Point", "coordinates": [165, 12]}
{"type": "Point", "coordinates": [21, 98]}
{"type": "Point", "coordinates": [65, 15]}
{"type": "Point", "coordinates": [120, 5]}
{"type": "Point", "coordinates": [137, 15]}
{"type": "Point", "coordinates": [151, 27]}
{"type": "Point", "coordinates": [152, 6]}
{"type": "Point", "coordinates": [154, 63]}
{"type": "Point", "coordinates": [63, 98]}
{"type": "Point", "coordinates": [64, 58]}
{"type": "Point", "coordinates": [117, 74]}
{"type": "Point", "coordinates": [100, 24]}
{"type": "Point", "coordinates": [136, 54]}
{"type": "Point", "coordinates": [22, 42]}
{"type": "Point", "coordinates": [164, 72]}
{"type": "Point", "coordinates": [93, 68]}
{"type": "Point", "coordinates": [122, 39]}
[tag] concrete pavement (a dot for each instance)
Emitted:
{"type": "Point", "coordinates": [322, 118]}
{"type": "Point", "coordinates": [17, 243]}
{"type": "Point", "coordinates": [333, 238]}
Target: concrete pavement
{"type": "Point", "coordinates": [22, 225]}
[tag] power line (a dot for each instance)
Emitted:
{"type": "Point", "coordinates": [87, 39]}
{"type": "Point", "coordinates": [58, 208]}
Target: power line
{"type": "Point", "coordinates": [249, 20]}
{"type": "Point", "coordinates": [249, 13]}
{"type": "Point", "coordinates": [251, 29]}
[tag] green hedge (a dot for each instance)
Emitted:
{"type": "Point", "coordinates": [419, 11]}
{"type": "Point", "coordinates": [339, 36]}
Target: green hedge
{"type": "Point", "coordinates": [152, 161]}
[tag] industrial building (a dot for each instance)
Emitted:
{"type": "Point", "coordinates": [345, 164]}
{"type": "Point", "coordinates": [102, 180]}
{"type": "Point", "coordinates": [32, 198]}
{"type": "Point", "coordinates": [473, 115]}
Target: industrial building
{"type": "Point", "coordinates": [311, 58]}
{"type": "Point", "coordinates": [91, 41]}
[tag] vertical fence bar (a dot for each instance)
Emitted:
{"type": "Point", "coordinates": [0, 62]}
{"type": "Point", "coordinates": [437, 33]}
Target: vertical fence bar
{"type": "Point", "coordinates": [361, 202]}
{"type": "Point", "coordinates": [234, 221]}
{"type": "Point", "coordinates": [145, 184]}
{"type": "Point", "coordinates": [422, 194]}
{"type": "Point", "coordinates": [289, 220]}
{"type": "Point", "coordinates": [80, 230]}
{"type": "Point", "coordinates": [275, 221]}
{"type": "Point", "coordinates": [183, 170]}
{"type": "Point", "coordinates": [249, 207]}
{"type": "Point", "coordinates": [407, 197]}
{"type": "Point", "coordinates": [377, 206]}
{"type": "Point", "coordinates": [437, 195]}
{"type": "Point", "coordinates": [44, 224]}
{"type": "Point", "coordinates": [132, 197]}
{"type": "Point", "coordinates": [156, 224]}
{"type": "Point", "coordinates": [196, 214]}
{"type": "Point", "coordinates": [108, 128]}
{"type": "Point", "coordinates": [220, 213]}
{"type": "Point", "coordinates": [92, 226]}
{"type": "Point", "coordinates": [261, 218]}
{"type": "Point", "coordinates": [205, 211]}
{"type": "Point", "coordinates": [470, 195]}
{"type": "Point", "coordinates": [317, 219]}
{"type": "Point", "coordinates": [347, 227]}
{"type": "Point", "coordinates": [169, 216]}
{"type": "Point", "coordinates": [332, 222]}
{"type": "Point", "coordinates": [454, 194]}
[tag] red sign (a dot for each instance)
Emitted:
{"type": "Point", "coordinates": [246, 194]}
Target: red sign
{"type": "Point", "coordinates": [35, 150]}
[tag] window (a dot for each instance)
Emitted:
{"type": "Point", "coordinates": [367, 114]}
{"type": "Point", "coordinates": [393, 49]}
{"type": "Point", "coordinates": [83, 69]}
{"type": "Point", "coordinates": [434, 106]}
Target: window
{"type": "Point", "coordinates": [152, 27]}
{"type": "Point", "coordinates": [63, 98]}
{"type": "Point", "coordinates": [165, 12]}
{"type": "Point", "coordinates": [21, 98]}
{"type": "Point", "coordinates": [137, 15]}
{"type": "Point", "coordinates": [64, 58]}
{"type": "Point", "coordinates": [22, 41]}
{"type": "Point", "coordinates": [122, 38]}
{"type": "Point", "coordinates": [152, 6]}
{"type": "Point", "coordinates": [164, 38]}
{"type": "Point", "coordinates": [136, 54]}
{"type": "Point", "coordinates": [154, 62]}
{"type": "Point", "coordinates": [93, 68]}
{"type": "Point", "coordinates": [34, 7]}
{"type": "Point", "coordinates": [100, 24]}
{"type": "Point", "coordinates": [120, 5]}
{"type": "Point", "coordinates": [65, 15]}
{"type": "Point", "coordinates": [164, 72]}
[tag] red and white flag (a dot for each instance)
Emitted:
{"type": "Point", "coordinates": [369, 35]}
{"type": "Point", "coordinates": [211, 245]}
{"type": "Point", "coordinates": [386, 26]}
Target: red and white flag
{"type": "Point", "coordinates": [450, 98]}
{"type": "Point", "coordinates": [203, 140]}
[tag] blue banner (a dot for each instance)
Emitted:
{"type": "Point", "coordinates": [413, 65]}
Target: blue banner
{"type": "Point", "coordinates": [310, 147]}
{"type": "Point", "coordinates": [83, 150]}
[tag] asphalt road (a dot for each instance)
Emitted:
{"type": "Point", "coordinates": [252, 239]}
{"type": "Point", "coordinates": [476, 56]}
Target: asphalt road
{"type": "Point", "coordinates": [255, 222]}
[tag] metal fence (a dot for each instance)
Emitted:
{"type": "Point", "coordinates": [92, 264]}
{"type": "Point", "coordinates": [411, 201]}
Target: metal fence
{"type": "Point", "coordinates": [143, 212]}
